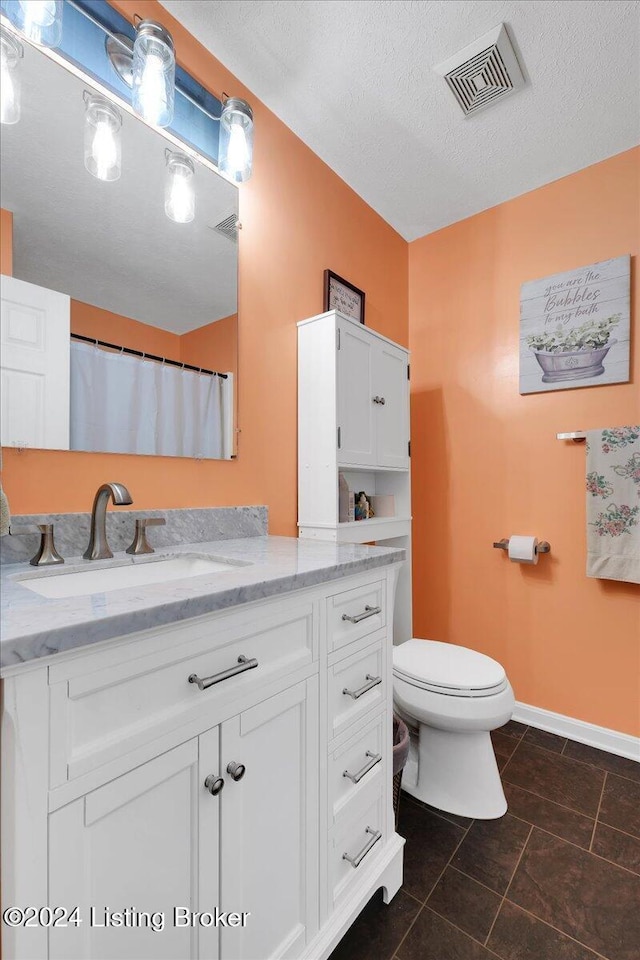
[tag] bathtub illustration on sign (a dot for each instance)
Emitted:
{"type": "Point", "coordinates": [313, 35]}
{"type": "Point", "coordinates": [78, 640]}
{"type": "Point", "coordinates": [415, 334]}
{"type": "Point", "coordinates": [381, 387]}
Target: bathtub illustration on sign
{"type": "Point", "coordinates": [575, 354]}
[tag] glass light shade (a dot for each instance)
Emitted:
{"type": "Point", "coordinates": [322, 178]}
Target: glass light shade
{"type": "Point", "coordinates": [235, 150]}
{"type": "Point", "coordinates": [154, 73]}
{"type": "Point", "coordinates": [179, 194]}
{"type": "Point", "coordinates": [102, 150]}
{"type": "Point", "coordinates": [10, 54]}
{"type": "Point", "coordinates": [39, 20]}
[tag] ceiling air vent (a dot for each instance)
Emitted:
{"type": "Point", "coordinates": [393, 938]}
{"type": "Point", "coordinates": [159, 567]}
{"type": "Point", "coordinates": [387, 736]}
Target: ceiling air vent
{"type": "Point", "coordinates": [228, 228]}
{"type": "Point", "coordinates": [484, 72]}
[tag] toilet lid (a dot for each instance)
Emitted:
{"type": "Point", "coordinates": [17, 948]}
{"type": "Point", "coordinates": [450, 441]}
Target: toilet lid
{"type": "Point", "coordinates": [447, 667]}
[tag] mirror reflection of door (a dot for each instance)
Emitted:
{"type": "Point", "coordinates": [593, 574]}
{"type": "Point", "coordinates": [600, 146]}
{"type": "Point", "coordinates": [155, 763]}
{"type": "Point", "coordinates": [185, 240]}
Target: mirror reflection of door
{"type": "Point", "coordinates": [148, 358]}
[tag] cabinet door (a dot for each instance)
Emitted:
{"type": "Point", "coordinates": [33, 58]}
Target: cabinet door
{"type": "Point", "coordinates": [356, 409]}
{"type": "Point", "coordinates": [391, 385]}
{"type": "Point", "coordinates": [132, 845]}
{"type": "Point", "coordinates": [269, 826]}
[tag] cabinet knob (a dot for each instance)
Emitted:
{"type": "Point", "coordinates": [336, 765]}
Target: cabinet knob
{"type": "Point", "coordinates": [214, 784]}
{"type": "Point", "coordinates": [236, 770]}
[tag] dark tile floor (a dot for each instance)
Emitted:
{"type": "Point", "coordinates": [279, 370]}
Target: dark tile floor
{"type": "Point", "coordinates": [557, 878]}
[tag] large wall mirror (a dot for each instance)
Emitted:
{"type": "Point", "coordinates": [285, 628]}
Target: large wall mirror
{"type": "Point", "coordinates": [119, 325]}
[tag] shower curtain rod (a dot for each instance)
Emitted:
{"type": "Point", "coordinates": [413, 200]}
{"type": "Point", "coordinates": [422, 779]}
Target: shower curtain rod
{"type": "Point", "coordinates": [147, 356]}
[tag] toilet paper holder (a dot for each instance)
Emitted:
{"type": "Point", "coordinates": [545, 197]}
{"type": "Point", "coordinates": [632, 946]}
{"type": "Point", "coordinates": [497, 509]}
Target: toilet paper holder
{"type": "Point", "coordinates": [543, 545]}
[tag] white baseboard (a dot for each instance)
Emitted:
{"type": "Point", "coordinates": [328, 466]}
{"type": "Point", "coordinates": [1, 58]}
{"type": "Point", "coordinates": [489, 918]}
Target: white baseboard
{"type": "Point", "coordinates": [621, 744]}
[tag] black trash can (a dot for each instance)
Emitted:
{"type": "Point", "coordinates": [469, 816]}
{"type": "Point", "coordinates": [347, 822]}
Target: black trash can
{"type": "Point", "coordinates": [400, 754]}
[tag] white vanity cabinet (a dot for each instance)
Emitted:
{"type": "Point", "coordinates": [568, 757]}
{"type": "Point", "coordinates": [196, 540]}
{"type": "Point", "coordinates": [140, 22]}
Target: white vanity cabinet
{"type": "Point", "coordinates": [130, 793]}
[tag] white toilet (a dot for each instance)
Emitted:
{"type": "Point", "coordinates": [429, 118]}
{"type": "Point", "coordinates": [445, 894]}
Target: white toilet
{"type": "Point", "coordinates": [451, 698]}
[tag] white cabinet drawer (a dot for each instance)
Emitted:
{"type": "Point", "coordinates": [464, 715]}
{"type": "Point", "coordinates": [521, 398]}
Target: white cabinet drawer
{"type": "Point", "coordinates": [356, 685]}
{"type": "Point", "coordinates": [355, 613]}
{"type": "Point", "coordinates": [361, 839]}
{"type": "Point", "coordinates": [357, 767]}
{"type": "Point", "coordinates": [109, 703]}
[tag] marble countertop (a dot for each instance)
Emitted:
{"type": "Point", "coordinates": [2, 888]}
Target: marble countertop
{"type": "Point", "coordinates": [34, 626]}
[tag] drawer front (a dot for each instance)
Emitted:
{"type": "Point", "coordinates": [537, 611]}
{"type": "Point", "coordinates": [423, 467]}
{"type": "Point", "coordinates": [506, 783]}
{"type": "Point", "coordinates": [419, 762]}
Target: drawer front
{"type": "Point", "coordinates": [361, 840]}
{"type": "Point", "coordinates": [100, 715]}
{"type": "Point", "coordinates": [355, 613]}
{"type": "Point", "coordinates": [358, 767]}
{"type": "Point", "coordinates": [357, 685]}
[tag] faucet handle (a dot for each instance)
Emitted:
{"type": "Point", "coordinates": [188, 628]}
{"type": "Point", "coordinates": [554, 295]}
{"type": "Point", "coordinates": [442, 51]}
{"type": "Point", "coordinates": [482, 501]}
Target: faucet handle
{"type": "Point", "coordinates": [47, 553]}
{"type": "Point", "coordinates": [140, 543]}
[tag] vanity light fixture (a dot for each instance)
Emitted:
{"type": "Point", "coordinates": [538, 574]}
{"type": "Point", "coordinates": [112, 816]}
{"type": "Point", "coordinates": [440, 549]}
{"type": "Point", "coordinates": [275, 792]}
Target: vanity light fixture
{"type": "Point", "coordinates": [153, 73]}
{"type": "Point", "coordinates": [179, 195]}
{"type": "Point", "coordinates": [102, 151]}
{"type": "Point", "coordinates": [148, 67]}
{"type": "Point", "coordinates": [235, 155]}
{"type": "Point", "coordinates": [10, 54]}
{"type": "Point", "coordinates": [39, 20]}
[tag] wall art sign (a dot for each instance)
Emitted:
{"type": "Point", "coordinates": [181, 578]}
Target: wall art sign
{"type": "Point", "coordinates": [341, 295]}
{"type": "Point", "coordinates": [574, 328]}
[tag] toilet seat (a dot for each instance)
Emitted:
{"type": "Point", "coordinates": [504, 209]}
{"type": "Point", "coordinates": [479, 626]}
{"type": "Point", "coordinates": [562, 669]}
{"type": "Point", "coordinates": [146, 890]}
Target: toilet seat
{"type": "Point", "coordinates": [448, 669]}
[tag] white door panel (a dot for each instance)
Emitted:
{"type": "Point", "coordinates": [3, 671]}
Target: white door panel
{"type": "Point", "coordinates": [34, 371]}
{"type": "Point", "coordinates": [391, 385]}
{"type": "Point", "coordinates": [132, 843]}
{"type": "Point", "coordinates": [356, 410]}
{"type": "Point", "coordinates": [268, 827]}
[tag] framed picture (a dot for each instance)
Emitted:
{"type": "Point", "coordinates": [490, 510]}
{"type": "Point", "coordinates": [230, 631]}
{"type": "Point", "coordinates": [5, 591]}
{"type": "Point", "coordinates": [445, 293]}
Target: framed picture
{"type": "Point", "coordinates": [341, 295]}
{"type": "Point", "coordinates": [574, 328]}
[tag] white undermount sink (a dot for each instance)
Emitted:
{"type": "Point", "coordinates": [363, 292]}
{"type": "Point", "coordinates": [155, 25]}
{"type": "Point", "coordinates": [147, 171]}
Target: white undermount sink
{"type": "Point", "coordinates": [124, 573]}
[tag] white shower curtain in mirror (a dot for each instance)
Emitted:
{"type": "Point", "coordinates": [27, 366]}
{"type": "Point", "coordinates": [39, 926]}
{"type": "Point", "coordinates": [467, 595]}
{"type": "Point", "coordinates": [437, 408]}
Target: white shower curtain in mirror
{"type": "Point", "coordinates": [124, 404]}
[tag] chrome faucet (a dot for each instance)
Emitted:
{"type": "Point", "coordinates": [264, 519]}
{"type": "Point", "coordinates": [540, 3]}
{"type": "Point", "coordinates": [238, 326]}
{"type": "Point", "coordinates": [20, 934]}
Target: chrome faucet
{"type": "Point", "coordinates": [98, 548]}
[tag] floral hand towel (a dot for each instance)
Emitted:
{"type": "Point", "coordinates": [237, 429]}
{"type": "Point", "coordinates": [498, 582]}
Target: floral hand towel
{"type": "Point", "coordinates": [613, 504]}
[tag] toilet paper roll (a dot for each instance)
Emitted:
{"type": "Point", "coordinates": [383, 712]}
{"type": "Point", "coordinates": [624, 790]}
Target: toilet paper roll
{"type": "Point", "coordinates": [523, 549]}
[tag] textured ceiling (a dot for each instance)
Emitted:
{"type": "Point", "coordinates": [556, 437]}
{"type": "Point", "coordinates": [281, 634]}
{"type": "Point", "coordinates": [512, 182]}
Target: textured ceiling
{"type": "Point", "coordinates": [355, 80]}
{"type": "Point", "coordinates": [110, 244]}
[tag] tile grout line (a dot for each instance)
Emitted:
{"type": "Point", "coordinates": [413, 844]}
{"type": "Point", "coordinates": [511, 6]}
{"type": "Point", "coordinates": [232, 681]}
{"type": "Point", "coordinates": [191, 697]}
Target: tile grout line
{"type": "Point", "coordinates": [463, 932]}
{"type": "Point", "coordinates": [515, 750]}
{"type": "Point", "coordinates": [546, 923]}
{"type": "Point", "coordinates": [526, 843]}
{"type": "Point", "coordinates": [595, 822]}
{"type": "Point", "coordinates": [441, 874]}
{"type": "Point", "coordinates": [571, 843]}
{"type": "Point", "coordinates": [542, 797]}
{"type": "Point", "coordinates": [441, 814]}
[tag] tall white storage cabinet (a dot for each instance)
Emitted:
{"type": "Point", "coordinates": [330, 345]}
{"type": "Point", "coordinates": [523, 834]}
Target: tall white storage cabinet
{"type": "Point", "coordinates": [353, 418]}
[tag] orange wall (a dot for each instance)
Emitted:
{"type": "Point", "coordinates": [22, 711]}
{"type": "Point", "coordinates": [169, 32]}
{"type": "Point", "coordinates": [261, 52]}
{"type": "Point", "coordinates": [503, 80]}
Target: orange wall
{"type": "Point", "coordinates": [486, 463]}
{"type": "Point", "coordinates": [298, 218]}
{"type": "Point", "coordinates": [95, 322]}
{"type": "Point", "coordinates": [6, 242]}
{"type": "Point", "coordinates": [214, 346]}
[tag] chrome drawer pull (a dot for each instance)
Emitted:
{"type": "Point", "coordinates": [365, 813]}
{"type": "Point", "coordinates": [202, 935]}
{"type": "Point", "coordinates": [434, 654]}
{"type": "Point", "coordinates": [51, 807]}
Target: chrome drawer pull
{"type": "Point", "coordinates": [369, 685]}
{"type": "Point", "coordinates": [357, 777]}
{"type": "Point", "coordinates": [368, 612]}
{"type": "Point", "coordinates": [357, 860]}
{"type": "Point", "coordinates": [204, 682]}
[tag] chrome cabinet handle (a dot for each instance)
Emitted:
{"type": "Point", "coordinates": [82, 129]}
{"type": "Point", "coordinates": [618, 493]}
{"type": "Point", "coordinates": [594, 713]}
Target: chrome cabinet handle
{"type": "Point", "coordinates": [369, 685]}
{"type": "Point", "coordinates": [236, 770]}
{"type": "Point", "coordinates": [359, 857]}
{"type": "Point", "coordinates": [214, 784]}
{"type": "Point", "coordinates": [368, 612]}
{"type": "Point", "coordinates": [357, 777]}
{"type": "Point", "coordinates": [205, 682]}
